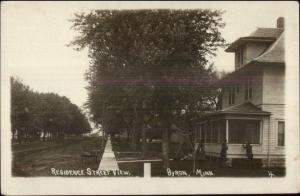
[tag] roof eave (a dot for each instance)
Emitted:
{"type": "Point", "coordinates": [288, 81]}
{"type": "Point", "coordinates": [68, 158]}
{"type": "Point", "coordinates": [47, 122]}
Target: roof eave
{"type": "Point", "coordinates": [263, 113]}
{"type": "Point", "coordinates": [233, 47]}
{"type": "Point", "coordinates": [222, 113]}
{"type": "Point", "coordinates": [278, 63]}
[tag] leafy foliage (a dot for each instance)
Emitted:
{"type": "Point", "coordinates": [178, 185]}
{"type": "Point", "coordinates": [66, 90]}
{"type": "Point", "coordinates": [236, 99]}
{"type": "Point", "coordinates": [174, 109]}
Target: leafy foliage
{"type": "Point", "coordinates": [153, 62]}
{"type": "Point", "coordinates": [34, 114]}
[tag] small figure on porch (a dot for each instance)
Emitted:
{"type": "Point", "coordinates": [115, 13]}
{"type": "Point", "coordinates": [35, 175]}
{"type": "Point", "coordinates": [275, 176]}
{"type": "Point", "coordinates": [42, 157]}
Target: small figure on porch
{"type": "Point", "coordinates": [249, 154]}
{"type": "Point", "coordinates": [223, 153]}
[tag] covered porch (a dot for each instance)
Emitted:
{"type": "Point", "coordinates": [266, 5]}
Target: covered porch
{"type": "Point", "coordinates": [237, 124]}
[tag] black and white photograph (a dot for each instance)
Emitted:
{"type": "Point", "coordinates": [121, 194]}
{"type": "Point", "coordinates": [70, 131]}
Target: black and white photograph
{"type": "Point", "coordinates": [150, 94]}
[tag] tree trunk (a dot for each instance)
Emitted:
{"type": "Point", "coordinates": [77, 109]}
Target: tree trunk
{"type": "Point", "coordinates": [144, 142]}
{"type": "Point", "coordinates": [133, 132]}
{"type": "Point", "coordinates": [133, 139]}
{"type": "Point", "coordinates": [165, 148]}
{"type": "Point", "coordinates": [44, 135]}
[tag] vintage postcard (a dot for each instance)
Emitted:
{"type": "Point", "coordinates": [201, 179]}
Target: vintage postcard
{"type": "Point", "coordinates": [149, 97]}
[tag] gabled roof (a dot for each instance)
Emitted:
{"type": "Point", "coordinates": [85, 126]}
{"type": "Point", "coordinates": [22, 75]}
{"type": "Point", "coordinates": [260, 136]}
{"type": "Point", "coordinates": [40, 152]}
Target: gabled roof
{"type": "Point", "coordinates": [267, 32]}
{"type": "Point", "coordinates": [268, 35]}
{"type": "Point", "coordinates": [245, 108]}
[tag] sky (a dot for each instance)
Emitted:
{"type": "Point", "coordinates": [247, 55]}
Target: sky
{"type": "Point", "coordinates": [34, 36]}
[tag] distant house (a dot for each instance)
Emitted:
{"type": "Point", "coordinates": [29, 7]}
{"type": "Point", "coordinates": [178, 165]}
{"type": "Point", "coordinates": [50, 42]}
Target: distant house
{"type": "Point", "coordinates": [253, 103]}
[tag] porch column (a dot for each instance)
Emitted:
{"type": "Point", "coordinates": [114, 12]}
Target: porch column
{"type": "Point", "coordinates": [227, 129]}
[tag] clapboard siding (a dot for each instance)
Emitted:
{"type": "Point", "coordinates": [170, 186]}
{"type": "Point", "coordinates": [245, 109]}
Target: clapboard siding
{"type": "Point", "coordinates": [277, 114]}
{"type": "Point", "coordinates": [257, 84]}
{"type": "Point", "coordinates": [273, 102]}
{"type": "Point", "coordinates": [273, 84]}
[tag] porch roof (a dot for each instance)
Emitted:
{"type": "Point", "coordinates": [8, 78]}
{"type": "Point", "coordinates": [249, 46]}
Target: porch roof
{"type": "Point", "coordinates": [246, 108]}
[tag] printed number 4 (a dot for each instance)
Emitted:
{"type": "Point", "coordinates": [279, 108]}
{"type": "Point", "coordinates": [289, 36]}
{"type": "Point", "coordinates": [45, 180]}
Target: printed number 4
{"type": "Point", "coordinates": [271, 174]}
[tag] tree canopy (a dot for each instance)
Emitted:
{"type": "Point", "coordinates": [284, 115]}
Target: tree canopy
{"type": "Point", "coordinates": [148, 61]}
{"type": "Point", "coordinates": [34, 114]}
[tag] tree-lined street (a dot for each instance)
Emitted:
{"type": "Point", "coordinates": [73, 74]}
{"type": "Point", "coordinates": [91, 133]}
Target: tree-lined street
{"type": "Point", "coordinates": [43, 116]}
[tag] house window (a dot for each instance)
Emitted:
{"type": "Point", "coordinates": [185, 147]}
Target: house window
{"type": "Point", "coordinates": [280, 139]}
{"type": "Point", "coordinates": [231, 95]}
{"type": "Point", "coordinates": [240, 56]}
{"type": "Point", "coordinates": [241, 131]}
{"type": "Point", "coordinates": [237, 88]}
{"type": "Point", "coordinates": [229, 91]}
{"type": "Point", "coordinates": [248, 89]}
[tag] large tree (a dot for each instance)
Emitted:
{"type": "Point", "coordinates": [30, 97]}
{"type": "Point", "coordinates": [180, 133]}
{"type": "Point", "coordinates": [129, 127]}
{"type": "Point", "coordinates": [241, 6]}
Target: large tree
{"type": "Point", "coordinates": [146, 62]}
{"type": "Point", "coordinates": [34, 114]}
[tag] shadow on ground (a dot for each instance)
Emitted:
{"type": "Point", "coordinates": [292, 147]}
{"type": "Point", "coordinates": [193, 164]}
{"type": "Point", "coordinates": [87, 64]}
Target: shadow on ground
{"type": "Point", "coordinates": [37, 159]}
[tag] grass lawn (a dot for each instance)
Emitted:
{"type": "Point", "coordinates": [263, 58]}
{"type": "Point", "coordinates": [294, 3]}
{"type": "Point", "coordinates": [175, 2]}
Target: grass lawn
{"type": "Point", "coordinates": [206, 166]}
{"type": "Point", "coordinates": [37, 159]}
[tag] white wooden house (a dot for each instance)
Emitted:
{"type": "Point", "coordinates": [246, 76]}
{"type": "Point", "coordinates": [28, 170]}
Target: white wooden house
{"type": "Point", "coordinates": [253, 104]}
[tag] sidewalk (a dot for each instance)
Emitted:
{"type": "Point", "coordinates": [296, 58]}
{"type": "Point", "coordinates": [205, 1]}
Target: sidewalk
{"type": "Point", "coordinates": [108, 161]}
